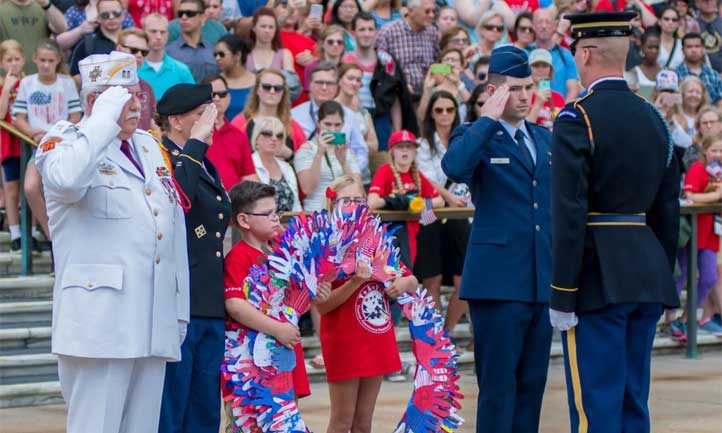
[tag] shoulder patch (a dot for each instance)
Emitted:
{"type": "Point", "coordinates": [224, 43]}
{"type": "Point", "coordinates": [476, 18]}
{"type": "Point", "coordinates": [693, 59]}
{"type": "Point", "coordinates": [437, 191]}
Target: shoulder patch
{"type": "Point", "coordinates": [49, 144]}
{"type": "Point", "coordinates": [567, 113]}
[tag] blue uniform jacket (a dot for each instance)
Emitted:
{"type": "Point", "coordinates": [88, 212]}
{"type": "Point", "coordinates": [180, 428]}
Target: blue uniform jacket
{"type": "Point", "coordinates": [508, 257]}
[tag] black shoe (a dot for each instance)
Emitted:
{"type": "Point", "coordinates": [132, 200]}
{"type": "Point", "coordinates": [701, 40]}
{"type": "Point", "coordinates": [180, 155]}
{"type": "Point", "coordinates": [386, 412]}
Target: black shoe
{"type": "Point", "coordinates": [15, 245]}
{"type": "Point", "coordinates": [36, 246]}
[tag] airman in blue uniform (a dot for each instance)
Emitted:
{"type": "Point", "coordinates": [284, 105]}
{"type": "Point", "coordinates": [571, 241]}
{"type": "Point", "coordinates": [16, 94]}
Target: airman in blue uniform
{"type": "Point", "coordinates": [506, 161]}
{"type": "Point", "coordinates": [615, 192]}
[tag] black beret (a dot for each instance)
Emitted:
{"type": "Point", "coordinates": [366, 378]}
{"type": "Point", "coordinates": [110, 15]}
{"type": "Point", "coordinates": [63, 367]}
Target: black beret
{"type": "Point", "coordinates": [183, 98]}
{"type": "Point", "coordinates": [600, 24]}
{"type": "Point", "coordinates": [510, 61]}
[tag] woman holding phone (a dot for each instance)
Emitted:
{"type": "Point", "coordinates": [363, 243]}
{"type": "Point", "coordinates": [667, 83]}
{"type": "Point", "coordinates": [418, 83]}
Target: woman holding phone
{"type": "Point", "coordinates": [546, 103]}
{"type": "Point", "coordinates": [324, 157]}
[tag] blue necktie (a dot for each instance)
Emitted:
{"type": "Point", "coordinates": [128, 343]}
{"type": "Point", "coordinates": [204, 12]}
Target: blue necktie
{"type": "Point", "coordinates": [519, 137]}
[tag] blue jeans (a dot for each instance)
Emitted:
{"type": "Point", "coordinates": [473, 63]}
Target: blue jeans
{"type": "Point", "coordinates": [192, 391]}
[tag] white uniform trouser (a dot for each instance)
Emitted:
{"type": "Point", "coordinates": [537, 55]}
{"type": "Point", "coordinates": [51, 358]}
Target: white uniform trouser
{"type": "Point", "coordinates": [112, 395]}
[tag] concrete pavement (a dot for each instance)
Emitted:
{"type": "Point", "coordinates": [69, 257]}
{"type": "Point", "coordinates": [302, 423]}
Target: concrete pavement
{"type": "Point", "coordinates": [686, 397]}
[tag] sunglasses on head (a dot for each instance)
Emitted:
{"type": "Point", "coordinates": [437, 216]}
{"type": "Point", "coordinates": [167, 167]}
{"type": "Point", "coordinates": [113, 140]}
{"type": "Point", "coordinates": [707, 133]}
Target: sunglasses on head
{"type": "Point", "coordinates": [110, 14]}
{"type": "Point", "coordinates": [494, 28]}
{"type": "Point", "coordinates": [269, 134]}
{"type": "Point", "coordinates": [188, 13]}
{"type": "Point", "coordinates": [222, 94]}
{"type": "Point", "coordinates": [278, 88]}
{"type": "Point", "coordinates": [440, 110]}
{"type": "Point", "coordinates": [134, 50]}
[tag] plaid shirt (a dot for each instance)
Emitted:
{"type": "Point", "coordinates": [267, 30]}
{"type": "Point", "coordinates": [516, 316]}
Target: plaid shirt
{"type": "Point", "coordinates": [414, 51]}
{"type": "Point", "coordinates": [711, 79]}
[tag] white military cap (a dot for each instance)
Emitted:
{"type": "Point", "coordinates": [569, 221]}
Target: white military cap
{"type": "Point", "coordinates": [114, 69]}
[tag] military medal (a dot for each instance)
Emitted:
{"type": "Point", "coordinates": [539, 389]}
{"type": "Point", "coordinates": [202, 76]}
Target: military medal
{"type": "Point", "coordinates": [106, 169]}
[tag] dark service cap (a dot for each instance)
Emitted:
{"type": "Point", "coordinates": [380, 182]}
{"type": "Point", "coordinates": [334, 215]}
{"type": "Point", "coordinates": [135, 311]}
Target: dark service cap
{"type": "Point", "coordinates": [183, 98]}
{"type": "Point", "coordinates": [600, 24]}
{"type": "Point", "coordinates": [509, 61]}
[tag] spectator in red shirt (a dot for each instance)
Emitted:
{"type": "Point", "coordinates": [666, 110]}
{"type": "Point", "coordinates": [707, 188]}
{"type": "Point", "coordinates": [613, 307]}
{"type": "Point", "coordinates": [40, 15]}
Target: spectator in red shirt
{"type": "Point", "coordinates": [396, 183]}
{"type": "Point", "coordinates": [546, 103]}
{"type": "Point", "coordinates": [269, 98]}
{"type": "Point", "coordinates": [302, 47]}
{"type": "Point", "coordinates": [255, 215]}
{"type": "Point", "coordinates": [139, 9]}
{"type": "Point", "coordinates": [703, 185]}
{"type": "Point", "coordinates": [12, 61]}
{"type": "Point", "coordinates": [230, 152]}
{"type": "Point", "coordinates": [357, 333]}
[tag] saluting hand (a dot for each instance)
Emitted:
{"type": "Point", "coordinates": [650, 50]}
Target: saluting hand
{"type": "Point", "coordinates": [203, 127]}
{"type": "Point", "coordinates": [494, 106]}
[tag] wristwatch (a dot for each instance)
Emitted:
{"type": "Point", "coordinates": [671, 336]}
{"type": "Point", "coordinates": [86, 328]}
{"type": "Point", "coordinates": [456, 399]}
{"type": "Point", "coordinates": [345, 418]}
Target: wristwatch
{"type": "Point", "coordinates": [47, 6]}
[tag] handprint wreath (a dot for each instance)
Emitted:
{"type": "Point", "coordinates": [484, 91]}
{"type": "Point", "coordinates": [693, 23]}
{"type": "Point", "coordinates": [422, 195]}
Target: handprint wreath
{"type": "Point", "coordinates": [323, 247]}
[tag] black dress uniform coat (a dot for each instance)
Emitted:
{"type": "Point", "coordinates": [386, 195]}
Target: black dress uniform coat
{"type": "Point", "coordinates": [206, 224]}
{"type": "Point", "coordinates": [612, 155]}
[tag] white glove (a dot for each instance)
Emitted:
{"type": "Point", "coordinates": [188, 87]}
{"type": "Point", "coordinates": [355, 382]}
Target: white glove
{"type": "Point", "coordinates": [563, 321]}
{"type": "Point", "coordinates": [182, 331]}
{"type": "Point", "coordinates": [110, 104]}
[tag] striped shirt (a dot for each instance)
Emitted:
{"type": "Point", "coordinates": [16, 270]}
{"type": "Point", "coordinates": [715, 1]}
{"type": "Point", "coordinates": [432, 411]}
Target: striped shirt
{"type": "Point", "coordinates": [46, 104]}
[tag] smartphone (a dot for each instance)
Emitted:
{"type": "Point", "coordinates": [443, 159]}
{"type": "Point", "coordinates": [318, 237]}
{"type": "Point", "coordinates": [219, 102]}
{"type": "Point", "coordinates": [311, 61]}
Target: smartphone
{"type": "Point", "coordinates": [544, 85]}
{"type": "Point", "coordinates": [339, 138]}
{"type": "Point", "coordinates": [316, 11]}
{"type": "Point", "coordinates": [441, 69]}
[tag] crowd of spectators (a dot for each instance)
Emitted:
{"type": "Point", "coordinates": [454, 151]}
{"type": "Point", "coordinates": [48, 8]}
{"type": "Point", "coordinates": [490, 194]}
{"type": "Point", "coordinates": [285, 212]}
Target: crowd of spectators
{"type": "Point", "coordinates": [309, 90]}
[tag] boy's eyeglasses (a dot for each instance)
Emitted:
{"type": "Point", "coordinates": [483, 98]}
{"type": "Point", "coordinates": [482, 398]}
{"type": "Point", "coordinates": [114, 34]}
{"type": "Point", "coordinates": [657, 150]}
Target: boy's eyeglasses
{"type": "Point", "coordinates": [110, 14]}
{"type": "Point", "coordinates": [347, 201]}
{"type": "Point", "coordinates": [273, 215]}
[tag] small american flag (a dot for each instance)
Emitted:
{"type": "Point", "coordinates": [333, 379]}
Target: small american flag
{"type": "Point", "coordinates": [427, 215]}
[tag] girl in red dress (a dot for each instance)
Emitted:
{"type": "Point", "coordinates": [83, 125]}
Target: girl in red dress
{"type": "Point", "coordinates": [12, 61]}
{"type": "Point", "coordinates": [357, 333]}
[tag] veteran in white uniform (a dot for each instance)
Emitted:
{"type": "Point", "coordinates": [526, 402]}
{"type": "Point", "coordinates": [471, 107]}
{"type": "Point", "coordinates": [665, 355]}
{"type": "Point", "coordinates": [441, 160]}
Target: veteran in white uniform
{"type": "Point", "coordinates": [121, 297]}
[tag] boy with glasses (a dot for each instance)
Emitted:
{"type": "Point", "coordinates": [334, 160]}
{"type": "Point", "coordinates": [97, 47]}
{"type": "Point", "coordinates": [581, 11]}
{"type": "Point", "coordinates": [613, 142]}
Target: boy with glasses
{"type": "Point", "coordinates": [211, 30]}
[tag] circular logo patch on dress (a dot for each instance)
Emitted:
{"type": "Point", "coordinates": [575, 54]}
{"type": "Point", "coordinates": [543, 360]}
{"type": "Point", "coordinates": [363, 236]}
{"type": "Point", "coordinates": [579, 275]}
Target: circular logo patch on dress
{"type": "Point", "coordinates": [372, 309]}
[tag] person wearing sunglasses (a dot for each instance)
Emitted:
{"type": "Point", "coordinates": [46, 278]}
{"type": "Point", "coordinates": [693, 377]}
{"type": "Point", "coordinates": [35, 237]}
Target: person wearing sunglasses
{"type": "Point", "coordinates": [268, 135]}
{"type": "Point", "coordinates": [491, 32]}
{"type": "Point", "coordinates": [505, 161]}
{"type": "Point", "coordinates": [443, 243]}
{"type": "Point", "coordinates": [190, 396]}
{"type": "Point", "coordinates": [190, 48]}
{"type": "Point", "coordinates": [103, 39]}
{"type": "Point", "coordinates": [331, 48]}
{"type": "Point", "coordinates": [231, 53]}
{"type": "Point", "coordinates": [134, 41]}
{"type": "Point", "coordinates": [269, 99]}
{"type": "Point", "coordinates": [231, 150]}
{"type": "Point", "coordinates": [523, 30]}
{"type": "Point", "coordinates": [671, 53]}
{"type": "Point", "coordinates": [82, 18]}
{"type": "Point", "coordinates": [211, 30]}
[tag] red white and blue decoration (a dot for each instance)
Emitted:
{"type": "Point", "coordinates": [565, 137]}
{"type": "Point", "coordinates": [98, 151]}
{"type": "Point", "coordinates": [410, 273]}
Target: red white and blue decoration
{"type": "Point", "coordinates": [320, 248]}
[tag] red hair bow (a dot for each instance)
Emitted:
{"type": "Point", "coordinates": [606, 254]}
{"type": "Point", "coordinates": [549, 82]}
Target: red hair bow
{"type": "Point", "coordinates": [330, 193]}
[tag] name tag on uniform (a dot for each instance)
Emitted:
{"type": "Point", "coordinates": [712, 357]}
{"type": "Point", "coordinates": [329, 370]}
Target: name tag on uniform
{"type": "Point", "coordinates": [500, 160]}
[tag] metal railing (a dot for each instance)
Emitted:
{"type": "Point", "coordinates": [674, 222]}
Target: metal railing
{"type": "Point", "coordinates": [444, 213]}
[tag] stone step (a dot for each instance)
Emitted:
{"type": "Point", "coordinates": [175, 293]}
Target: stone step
{"type": "Point", "coordinates": [24, 289]}
{"type": "Point", "coordinates": [16, 341]}
{"type": "Point", "coordinates": [25, 314]}
{"type": "Point", "coordinates": [39, 386]}
{"type": "Point", "coordinates": [30, 394]}
{"type": "Point", "coordinates": [4, 241]}
{"type": "Point", "coordinates": [38, 367]}
{"type": "Point", "coordinates": [10, 263]}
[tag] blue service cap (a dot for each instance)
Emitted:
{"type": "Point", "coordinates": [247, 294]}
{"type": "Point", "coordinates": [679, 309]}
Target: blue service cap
{"type": "Point", "coordinates": [509, 61]}
{"type": "Point", "coordinates": [183, 98]}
